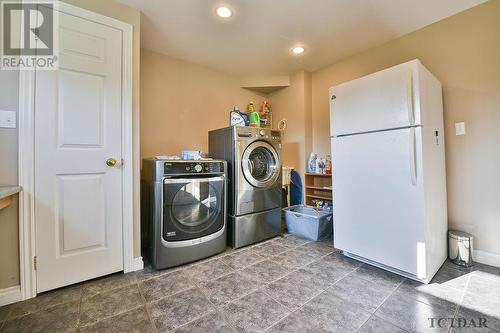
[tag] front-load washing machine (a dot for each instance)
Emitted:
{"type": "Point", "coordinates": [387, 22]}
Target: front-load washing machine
{"type": "Point", "coordinates": [183, 210]}
{"type": "Point", "coordinates": [254, 170]}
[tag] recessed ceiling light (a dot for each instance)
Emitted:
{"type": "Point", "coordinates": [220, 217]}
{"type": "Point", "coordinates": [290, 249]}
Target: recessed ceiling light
{"type": "Point", "coordinates": [298, 50]}
{"type": "Point", "coordinates": [224, 12]}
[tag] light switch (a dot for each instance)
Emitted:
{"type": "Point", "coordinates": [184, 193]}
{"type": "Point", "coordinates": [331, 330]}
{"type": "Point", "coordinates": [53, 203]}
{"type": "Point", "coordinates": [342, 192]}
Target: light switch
{"type": "Point", "coordinates": [7, 119]}
{"type": "Point", "coordinates": [460, 128]}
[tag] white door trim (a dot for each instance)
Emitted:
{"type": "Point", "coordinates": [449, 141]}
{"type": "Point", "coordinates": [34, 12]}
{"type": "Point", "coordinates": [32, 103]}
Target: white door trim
{"type": "Point", "coordinates": [27, 161]}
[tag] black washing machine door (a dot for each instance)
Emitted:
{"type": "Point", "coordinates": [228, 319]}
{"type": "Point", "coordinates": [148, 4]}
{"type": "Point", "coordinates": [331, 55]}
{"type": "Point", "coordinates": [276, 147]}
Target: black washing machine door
{"type": "Point", "coordinates": [192, 207]}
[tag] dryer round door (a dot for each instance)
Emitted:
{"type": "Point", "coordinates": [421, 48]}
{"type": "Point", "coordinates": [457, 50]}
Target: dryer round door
{"type": "Point", "coordinates": [260, 164]}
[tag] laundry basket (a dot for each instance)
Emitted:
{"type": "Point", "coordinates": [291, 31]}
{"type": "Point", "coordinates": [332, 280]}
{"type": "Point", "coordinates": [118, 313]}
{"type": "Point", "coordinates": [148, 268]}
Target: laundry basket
{"type": "Point", "coordinates": [309, 222]}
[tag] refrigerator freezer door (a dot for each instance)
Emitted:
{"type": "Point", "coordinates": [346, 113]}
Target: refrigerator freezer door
{"type": "Point", "coordinates": [379, 101]}
{"type": "Point", "coordinates": [379, 208]}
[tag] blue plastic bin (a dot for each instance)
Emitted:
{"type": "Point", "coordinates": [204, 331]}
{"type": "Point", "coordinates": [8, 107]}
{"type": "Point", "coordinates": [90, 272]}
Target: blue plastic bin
{"type": "Point", "coordinates": [309, 222]}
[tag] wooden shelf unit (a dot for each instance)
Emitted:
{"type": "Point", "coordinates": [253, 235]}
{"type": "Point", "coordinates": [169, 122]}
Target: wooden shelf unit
{"type": "Point", "coordinates": [318, 187]}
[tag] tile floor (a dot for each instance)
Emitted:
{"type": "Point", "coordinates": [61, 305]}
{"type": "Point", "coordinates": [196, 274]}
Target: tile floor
{"type": "Point", "coordinates": [282, 285]}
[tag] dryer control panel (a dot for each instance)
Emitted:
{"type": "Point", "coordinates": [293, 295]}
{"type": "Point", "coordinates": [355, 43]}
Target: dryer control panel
{"type": "Point", "coordinates": [183, 167]}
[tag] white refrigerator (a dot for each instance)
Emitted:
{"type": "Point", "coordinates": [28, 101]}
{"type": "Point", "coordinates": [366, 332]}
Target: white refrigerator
{"type": "Point", "coordinates": [389, 180]}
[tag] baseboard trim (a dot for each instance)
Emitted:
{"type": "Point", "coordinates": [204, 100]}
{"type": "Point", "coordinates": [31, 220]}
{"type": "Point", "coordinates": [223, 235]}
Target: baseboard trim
{"type": "Point", "coordinates": [138, 264]}
{"type": "Point", "coordinates": [10, 295]}
{"type": "Point", "coordinates": [487, 258]}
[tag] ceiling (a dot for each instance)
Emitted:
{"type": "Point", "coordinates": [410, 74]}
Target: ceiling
{"type": "Point", "coordinates": [258, 38]}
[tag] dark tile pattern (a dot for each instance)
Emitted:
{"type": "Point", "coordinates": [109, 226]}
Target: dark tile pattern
{"type": "Point", "coordinates": [316, 249]}
{"type": "Point", "coordinates": [294, 259]}
{"type": "Point", "coordinates": [339, 262]}
{"type": "Point", "coordinates": [329, 270]}
{"type": "Point", "coordinates": [296, 288]}
{"type": "Point", "coordinates": [242, 259]}
{"type": "Point", "coordinates": [59, 318]}
{"type": "Point", "coordinates": [269, 249]}
{"type": "Point", "coordinates": [290, 241]}
{"type": "Point", "coordinates": [208, 270]}
{"type": "Point", "coordinates": [299, 322]}
{"type": "Point", "coordinates": [432, 294]}
{"type": "Point", "coordinates": [46, 300]}
{"type": "Point", "coordinates": [107, 283]}
{"type": "Point", "coordinates": [179, 309]}
{"type": "Point", "coordinates": [379, 276]}
{"type": "Point", "coordinates": [412, 315]}
{"type": "Point", "coordinates": [367, 295]}
{"type": "Point", "coordinates": [4, 312]}
{"type": "Point", "coordinates": [228, 288]}
{"type": "Point", "coordinates": [377, 325]}
{"type": "Point", "coordinates": [213, 322]}
{"type": "Point", "coordinates": [136, 320]}
{"type": "Point", "coordinates": [165, 285]}
{"type": "Point", "coordinates": [494, 271]}
{"type": "Point", "coordinates": [285, 284]}
{"type": "Point", "coordinates": [110, 303]}
{"type": "Point", "coordinates": [333, 312]}
{"type": "Point", "coordinates": [148, 273]}
{"type": "Point", "coordinates": [254, 312]}
{"type": "Point", "coordinates": [450, 277]}
{"type": "Point", "coordinates": [265, 271]}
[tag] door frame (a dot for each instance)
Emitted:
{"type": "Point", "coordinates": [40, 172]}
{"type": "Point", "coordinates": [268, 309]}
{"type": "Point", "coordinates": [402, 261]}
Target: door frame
{"type": "Point", "coordinates": [26, 163]}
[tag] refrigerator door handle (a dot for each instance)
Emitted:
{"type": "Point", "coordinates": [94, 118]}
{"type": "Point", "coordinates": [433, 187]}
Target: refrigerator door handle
{"type": "Point", "coordinates": [409, 97]}
{"type": "Point", "coordinates": [413, 158]}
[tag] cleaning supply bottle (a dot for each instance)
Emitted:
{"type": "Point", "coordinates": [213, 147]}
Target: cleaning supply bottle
{"type": "Point", "coordinates": [319, 165]}
{"type": "Point", "coordinates": [328, 167]}
{"type": "Point", "coordinates": [250, 107]}
{"type": "Point", "coordinates": [311, 163]}
{"type": "Point", "coordinates": [265, 115]}
{"type": "Point", "coordinates": [253, 115]}
{"type": "Point", "coordinates": [254, 119]}
{"type": "Point", "coordinates": [236, 117]}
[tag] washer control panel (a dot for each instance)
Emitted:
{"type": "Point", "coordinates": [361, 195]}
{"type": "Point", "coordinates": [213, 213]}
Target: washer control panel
{"type": "Point", "coordinates": [183, 167]}
{"type": "Point", "coordinates": [262, 133]}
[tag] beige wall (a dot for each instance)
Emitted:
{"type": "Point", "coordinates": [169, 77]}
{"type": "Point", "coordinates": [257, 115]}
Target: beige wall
{"type": "Point", "coordinates": [181, 102]}
{"type": "Point", "coordinates": [463, 51]}
{"type": "Point", "coordinates": [294, 104]}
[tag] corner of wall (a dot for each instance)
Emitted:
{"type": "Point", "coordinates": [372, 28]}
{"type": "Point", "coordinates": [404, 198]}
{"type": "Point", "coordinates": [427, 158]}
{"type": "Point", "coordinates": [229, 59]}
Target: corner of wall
{"type": "Point", "coordinates": [295, 104]}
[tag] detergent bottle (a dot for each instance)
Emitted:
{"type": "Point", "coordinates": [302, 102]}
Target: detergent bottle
{"type": "Point", "coordinates": [311, 163]}
{"type": "Point", "coordinates": [236, 118]}
{"type": "Point", "coordinates": [253, 115]}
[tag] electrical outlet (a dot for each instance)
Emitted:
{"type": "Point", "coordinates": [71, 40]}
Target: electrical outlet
{"type": "Point", "coordinates": [7, 119]}
{"type": "Point", "coordinates": [460, 128]}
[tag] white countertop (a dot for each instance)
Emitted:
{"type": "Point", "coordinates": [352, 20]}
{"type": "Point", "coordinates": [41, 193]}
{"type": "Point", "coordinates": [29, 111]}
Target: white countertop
{"type": "Point", "coordinates": [8, 190]}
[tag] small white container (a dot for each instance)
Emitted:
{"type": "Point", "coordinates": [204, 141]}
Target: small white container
{"type": "Point", "coordinates": [191, 155]}
{"type": "Point", "coordinates": [286, 172]}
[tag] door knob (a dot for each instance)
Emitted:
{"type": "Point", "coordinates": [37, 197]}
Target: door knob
{"type": "Point", "coordinates": [111, 162]}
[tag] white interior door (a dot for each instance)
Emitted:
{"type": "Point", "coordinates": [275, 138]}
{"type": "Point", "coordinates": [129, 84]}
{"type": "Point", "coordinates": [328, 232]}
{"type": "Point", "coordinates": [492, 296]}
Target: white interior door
{"type": "Point", "coordinates": [78, 117]}
{"type": "Point", "coordinates": [378, 184]}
